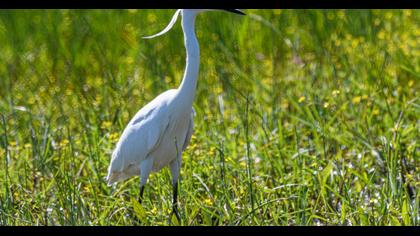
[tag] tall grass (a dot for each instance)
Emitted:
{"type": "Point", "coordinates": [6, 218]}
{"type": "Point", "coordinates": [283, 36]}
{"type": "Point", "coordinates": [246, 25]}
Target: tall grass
{"type": "Point", "coordinates": [304, 117]}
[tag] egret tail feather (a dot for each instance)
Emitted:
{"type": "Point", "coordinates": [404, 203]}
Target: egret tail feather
{"type": "Point", "coordinates": [168, 27]}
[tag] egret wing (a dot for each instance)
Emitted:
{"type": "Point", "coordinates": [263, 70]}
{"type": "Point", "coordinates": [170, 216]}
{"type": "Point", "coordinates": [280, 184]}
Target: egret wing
{"type": "Point", "coordinates": [142, 135]}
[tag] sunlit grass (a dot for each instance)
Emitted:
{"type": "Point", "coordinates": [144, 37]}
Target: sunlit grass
{"type": "Point", "coordinates": [304, 117]}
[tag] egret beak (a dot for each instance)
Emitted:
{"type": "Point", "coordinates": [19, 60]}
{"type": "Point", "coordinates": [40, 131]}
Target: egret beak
{"type": "Point", "coordinates": [235, 11]}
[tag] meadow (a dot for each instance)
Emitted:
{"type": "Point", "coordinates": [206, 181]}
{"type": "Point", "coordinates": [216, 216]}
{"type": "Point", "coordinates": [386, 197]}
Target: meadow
{"type": "Point", "coordinates": [303, 117]}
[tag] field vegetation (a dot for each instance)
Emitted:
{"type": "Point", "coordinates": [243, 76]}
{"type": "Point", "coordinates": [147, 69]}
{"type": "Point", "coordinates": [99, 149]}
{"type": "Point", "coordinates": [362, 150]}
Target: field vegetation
{"type": "Point", "coordinates": [303, 117]}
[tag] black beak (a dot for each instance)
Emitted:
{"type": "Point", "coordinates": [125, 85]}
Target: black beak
{"type": "Point", "coordinates": [235, 11]}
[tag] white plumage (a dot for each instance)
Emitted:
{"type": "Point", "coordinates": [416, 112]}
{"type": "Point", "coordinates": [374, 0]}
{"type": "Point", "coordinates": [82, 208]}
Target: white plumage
{"type": "Point", "coordinates": [147, 138]}
{"type": "Point", "coordinates": [158, 134]}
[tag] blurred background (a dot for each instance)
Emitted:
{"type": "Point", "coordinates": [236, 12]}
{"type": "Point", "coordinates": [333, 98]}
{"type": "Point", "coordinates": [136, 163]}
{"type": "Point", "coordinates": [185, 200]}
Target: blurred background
{"type": "Point", "coordinates": [303, 116]}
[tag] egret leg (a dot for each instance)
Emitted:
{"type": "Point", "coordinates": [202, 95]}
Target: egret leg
{"type": "Point", "coordinates": [141, 194]}
{"type": "Point", "coordinates": [175, 202]}
{"type": "Point", "coordinates": [145, 169]}
{"type": "Point", "coordinates": [175, 168]}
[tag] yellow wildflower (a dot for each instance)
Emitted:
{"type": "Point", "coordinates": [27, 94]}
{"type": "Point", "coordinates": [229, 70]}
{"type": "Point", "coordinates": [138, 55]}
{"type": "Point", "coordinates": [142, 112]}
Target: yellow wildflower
{"type": "Point", "coordinates": [113, 137]}
{"type": "Point", "coordinates": [381, 34]}
{"type": "Point", "coordinates": [208, 201]}
{"type": "Point", "coordinates": [86, 189]}
{"type": "Point", "coordinates": [68, 92]}
{"type": "Point", "coordinates": [301, 99]}
{"type": "Point", "coordinates": [64, 142]}
{"type": "Point", "coordinates": [31, 101]}
{"type": "Point", "coordinates": [211, 151]}
{"type": "Point", "coordinates": [154, 210]}
{"type": "Point", "coordinates": [106, 124]}
{"type": "Point", "coordinates": [356, 100]}
{"type": "Point", "coordinates": [410, 83]}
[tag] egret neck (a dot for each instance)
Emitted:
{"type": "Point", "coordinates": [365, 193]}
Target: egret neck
{"type": "Point", "coordinates": [186, 90]}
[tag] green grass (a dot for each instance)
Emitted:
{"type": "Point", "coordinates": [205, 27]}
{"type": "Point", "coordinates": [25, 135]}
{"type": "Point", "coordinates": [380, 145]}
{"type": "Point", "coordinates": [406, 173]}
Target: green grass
{"type": "Point", "coordinates": [304, 117]}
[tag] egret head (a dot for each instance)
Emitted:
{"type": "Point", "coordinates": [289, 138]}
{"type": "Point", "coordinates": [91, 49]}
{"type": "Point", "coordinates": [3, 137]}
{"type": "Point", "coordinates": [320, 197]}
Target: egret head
{"type": "Point", "coordinates": [196, 11]}
{"type": "Point", "coordinates": [189, 12]}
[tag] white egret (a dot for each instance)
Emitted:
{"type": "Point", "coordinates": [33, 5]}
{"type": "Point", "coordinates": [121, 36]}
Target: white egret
{"type": "Point", "coordinates": [158, 134]}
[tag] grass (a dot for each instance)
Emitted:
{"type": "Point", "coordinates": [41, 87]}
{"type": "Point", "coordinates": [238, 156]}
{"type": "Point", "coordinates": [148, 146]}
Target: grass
{"type": "Point", "coordinates": [304, 117]}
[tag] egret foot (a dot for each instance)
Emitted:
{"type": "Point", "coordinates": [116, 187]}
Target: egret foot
{"type": "Point", "coordinates": [175, 203]}
{"type": "Point", "coordinates": [176, 213]}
